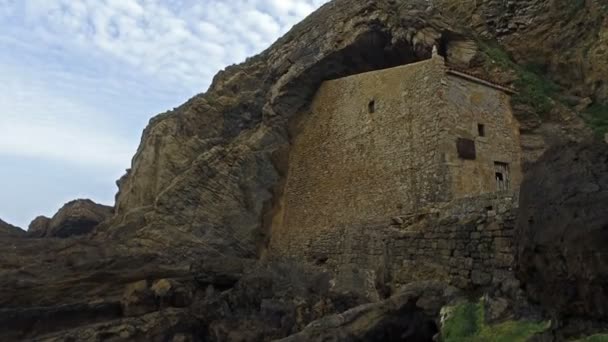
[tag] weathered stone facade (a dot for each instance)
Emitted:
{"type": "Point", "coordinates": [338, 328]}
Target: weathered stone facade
{"type": "Point", "coordinates": [481, 114]}
{"type": "Point", "coordinates": [387, 144]}
{"type": "Point", "coordinates": [467, 242]}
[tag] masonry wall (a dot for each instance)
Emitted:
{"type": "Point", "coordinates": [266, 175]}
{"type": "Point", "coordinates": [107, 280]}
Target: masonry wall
{"type": "Point", "coordinates": [469, 104]}
{"type": "Point", "coordinates": [350, 167]}
{"type": "Point", "coordinates": [467, 243]}
{"type": "Point", "coordinates": [352, 172]}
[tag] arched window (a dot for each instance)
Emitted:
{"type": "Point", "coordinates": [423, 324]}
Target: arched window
{"type": "Point", "coordinates": [371, 106]}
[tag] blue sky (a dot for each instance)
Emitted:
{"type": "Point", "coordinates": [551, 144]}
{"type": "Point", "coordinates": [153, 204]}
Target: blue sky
{"type": "Point", "coordinates": [79, 80]}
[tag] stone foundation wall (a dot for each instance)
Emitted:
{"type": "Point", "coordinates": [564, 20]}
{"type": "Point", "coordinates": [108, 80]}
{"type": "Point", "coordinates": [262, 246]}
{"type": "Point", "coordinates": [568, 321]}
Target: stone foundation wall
{"type": "Point", "coordinates": [468, 243]}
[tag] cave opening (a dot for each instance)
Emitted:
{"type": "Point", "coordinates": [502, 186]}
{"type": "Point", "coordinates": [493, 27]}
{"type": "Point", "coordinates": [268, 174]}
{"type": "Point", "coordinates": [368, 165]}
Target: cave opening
{"type": "Point", "coordinates": [372, 51]}
{"type": "Point", "coordinates": [408, 323]}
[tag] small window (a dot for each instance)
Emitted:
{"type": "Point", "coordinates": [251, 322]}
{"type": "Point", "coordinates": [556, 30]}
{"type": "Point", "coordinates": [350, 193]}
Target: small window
{"type": "Point", "coordinates": [503, 182]}
{"type": "Point", "coordinates": [481, 129]}
{"type": "Point", "coordinates": [466, 149]}
{"type": "Point", "coordinates": [371, 106]}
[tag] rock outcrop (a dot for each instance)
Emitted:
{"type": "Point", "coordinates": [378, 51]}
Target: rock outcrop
{"type": "Point", "coordinates": [75, 218]}
{"type": "Point", "coordinates": [563, 232]}
{"type": "Point", "coordinates": [552, 34]}
{"type": "Point", "coordinates": [7, 229]}
{"type": "Point", "coordinates": [73, 287]}
{"type": "Point", "coordinates": [410, 315]}
{"type": "Point", "coordinates": [210, 168]}
{"type": "Point", "coordinates": [192, 215]}
{"type": "Point", "coordinates": [554, 52]}
{"type": "Point", "coordinates": [272, 301]}
{"type": "Point", "coordinates": [38, 227]}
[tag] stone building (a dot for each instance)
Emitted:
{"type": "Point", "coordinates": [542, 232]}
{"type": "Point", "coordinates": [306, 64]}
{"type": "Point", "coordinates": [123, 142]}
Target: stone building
{"type": "Point", "coordinates": [392, 143]}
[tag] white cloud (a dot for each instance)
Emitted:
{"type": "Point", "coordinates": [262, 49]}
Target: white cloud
{"type": "Point", "coordinates": [38, 122]}
{"type": "Point", "coordinates": [179, 44]}
{"type": "Point", "coordinates": [73, 144]}
{"type": "Point", "coordinates": [179, 41]}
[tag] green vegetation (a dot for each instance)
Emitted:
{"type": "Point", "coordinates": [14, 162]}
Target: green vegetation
{"type": "Point", "coordinates": [467, 323]}
{"type": "Point", "coordinates": [497, 54]}
{"type": "Point", "coordinates": [534, 87]}
{"type": "Point", "coordinates": [536, 90]}
{"type": "Point", "coordinates": [597, 118]}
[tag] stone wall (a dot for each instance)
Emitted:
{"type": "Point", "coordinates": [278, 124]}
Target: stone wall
{"type": "Point", "coordinates": [467, 243]}
{"type": "Point", "coordinates": [468, 105]}
{"type": "Point", "coordinates": [383, 145]}
{"type": "Point", "coordinates": [351, 166]}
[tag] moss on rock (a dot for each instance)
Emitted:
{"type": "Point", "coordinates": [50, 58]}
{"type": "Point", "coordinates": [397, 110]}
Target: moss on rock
{"type": "Point", "coordinates": [535, 89]}
{"type": "Point", "coordinates": [597, 117]}
{"type": "Point", "coordinates": [466, 322]}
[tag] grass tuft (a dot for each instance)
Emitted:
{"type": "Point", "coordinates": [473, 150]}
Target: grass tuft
{"type": "Point", "coordinates": [467, 323]}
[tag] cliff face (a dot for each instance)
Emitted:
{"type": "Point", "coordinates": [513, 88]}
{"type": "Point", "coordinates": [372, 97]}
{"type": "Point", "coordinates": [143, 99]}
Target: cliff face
{"type": "Point", "coordinates": [210, 168]}
{"type": "Point", "coordinates": [562, 231]}
{"type": "Point", "coordinates": [567, 39]}
{"type": "Point", "coordinates": [554, 53]}
{"type": "Point", "coordinates": [10, 230]}
{"type": "Point", "coordinates": [193, 213]}
{"type": "Point", "coordinates": [78, 217]}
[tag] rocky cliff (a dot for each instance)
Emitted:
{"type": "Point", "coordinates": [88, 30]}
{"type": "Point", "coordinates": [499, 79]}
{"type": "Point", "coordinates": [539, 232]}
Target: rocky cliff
{"type": "Point", "coordinates": [192, 215]}
{"type": "Point", "coordinates": [211, 168]}
{"type": "Point", "coordinates": [77, 217]}
{"type": "Point", "coordinates": [554, 52]}
{"type": "Point", "coordinates": [562, 232]}
{"type": "Point", "coordinates": [10, 230]}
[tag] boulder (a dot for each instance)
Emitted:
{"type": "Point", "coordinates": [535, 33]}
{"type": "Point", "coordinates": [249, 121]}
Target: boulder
{"type": "Point", "coordinates": [361, 283]}
{"type": "Point", "coordinates": [410, 315]}
{"type": "Point", "coordinates": [495, 308]}
{"type": "Point", "coordinates": [138, 299]}
{"type": "Point", "coordinates": [273, 300]}
{"type": "Point", "coordinates": [172, 293]}
{"type": "Point", "coordinates": [75, 218]}
{"type": "Point", "coordinates": [562, 231]}
{"type": "Point", "coordinates": [39, 226]}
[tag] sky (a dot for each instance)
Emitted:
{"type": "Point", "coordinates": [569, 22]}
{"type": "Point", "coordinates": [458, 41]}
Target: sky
{"type": "Point", "coordinates": [79, 80]}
